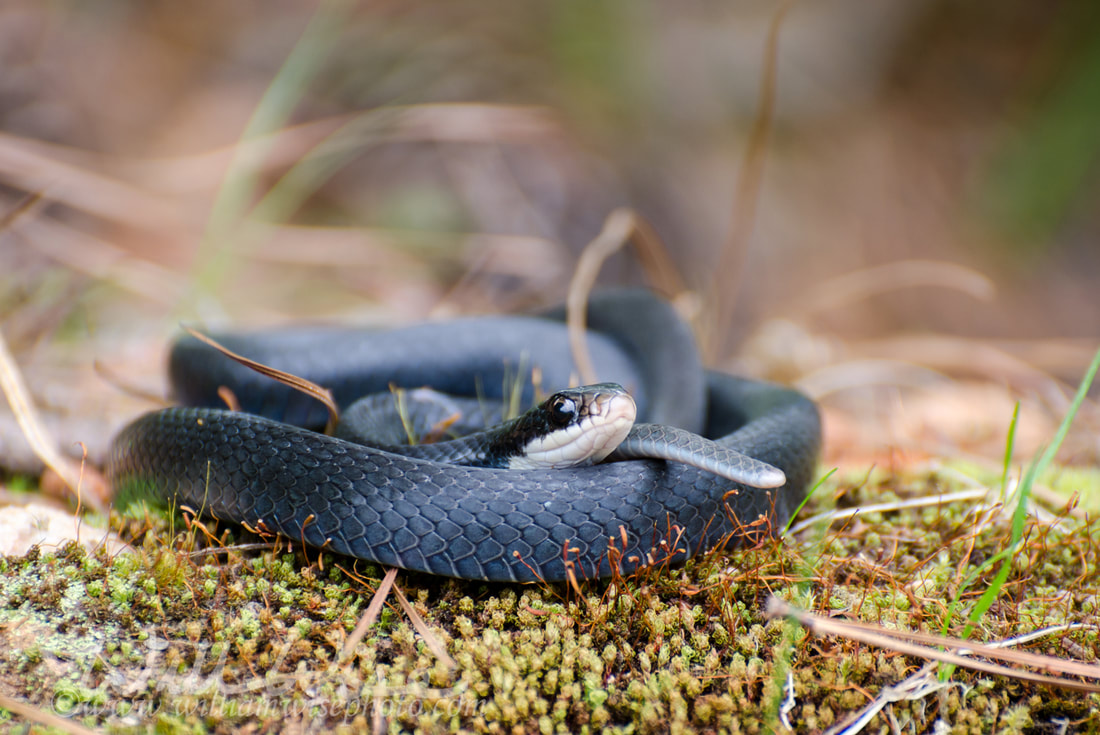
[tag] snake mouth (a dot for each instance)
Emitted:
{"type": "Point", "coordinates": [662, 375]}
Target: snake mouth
{"type": "Point", "coordinates": [606, 417]}
{"type": "Point", "coordinates": [617, 412]}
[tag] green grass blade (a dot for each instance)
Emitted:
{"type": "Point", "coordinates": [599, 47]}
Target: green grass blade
{"type": "Point", "coordinates": [1010, 446]}
{"type": "Point", "coordinates": [329, 156]}
{"type": "Point", "coordinates": [1060, 436]}
{"type": "Point", "coordinates": [809, 494]}
{"type": "Point", "coordinates": [1019, 515]}
{"type": "Point", "coordinates": [220, 242]}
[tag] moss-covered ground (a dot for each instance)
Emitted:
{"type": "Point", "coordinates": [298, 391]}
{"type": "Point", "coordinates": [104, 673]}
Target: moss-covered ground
{"type": "Point", "coordinates": [169, 640]}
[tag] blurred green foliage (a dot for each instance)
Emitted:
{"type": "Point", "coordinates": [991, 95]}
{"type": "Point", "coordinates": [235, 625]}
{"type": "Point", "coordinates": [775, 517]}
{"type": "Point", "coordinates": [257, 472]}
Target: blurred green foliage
{"type": "Point", "coordinates": [595, 49]}
{"type": "Point", "coordinates": [1046, 173]}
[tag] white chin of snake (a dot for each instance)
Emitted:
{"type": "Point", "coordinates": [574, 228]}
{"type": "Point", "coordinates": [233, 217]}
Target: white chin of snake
{"type": "Point", "coordinates": [584, 443]}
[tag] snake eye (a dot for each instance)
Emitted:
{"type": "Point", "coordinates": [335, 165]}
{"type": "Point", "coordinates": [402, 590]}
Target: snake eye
{"type": "Point", "coordinates": [562, 410]}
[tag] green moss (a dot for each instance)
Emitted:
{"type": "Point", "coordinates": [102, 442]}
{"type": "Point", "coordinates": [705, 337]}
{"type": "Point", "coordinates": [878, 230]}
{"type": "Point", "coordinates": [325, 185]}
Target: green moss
{"type": "Point", "coordinates": [232, 641]}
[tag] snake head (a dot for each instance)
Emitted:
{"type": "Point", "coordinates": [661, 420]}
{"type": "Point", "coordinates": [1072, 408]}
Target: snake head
{"type": "Point", "coordinates": [573, 427]}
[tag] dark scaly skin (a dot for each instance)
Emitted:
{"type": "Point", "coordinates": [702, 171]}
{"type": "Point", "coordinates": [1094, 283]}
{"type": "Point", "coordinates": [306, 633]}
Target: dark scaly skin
{"type": "Point", "coordinates": [374, 421]}
{"type": "Point", "coordinates": [475, 523]}
{"type": "Point", "coordinates": [490, 446]}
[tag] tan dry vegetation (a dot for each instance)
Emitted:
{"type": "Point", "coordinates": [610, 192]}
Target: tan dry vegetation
{"type": "Point", "coordinates": [456, 160]}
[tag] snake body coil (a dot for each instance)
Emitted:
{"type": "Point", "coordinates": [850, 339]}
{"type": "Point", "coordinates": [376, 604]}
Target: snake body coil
{"type": "Point", "coordinates": [468, 522]}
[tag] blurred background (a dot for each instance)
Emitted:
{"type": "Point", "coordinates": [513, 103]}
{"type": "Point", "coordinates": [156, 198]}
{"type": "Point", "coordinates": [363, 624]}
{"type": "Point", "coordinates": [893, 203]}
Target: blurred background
{"type": "Point", "coordinates": [910, 232]}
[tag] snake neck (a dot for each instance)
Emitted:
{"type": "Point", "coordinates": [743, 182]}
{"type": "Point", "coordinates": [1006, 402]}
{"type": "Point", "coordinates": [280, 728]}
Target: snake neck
{"type": "Point", "coordinates": [498, 448]}
{"type": "Point", "coordinates": [471, 451]}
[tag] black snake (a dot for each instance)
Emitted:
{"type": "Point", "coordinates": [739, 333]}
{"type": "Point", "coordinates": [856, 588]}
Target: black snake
{"type": "Point", "coordinates": [470, 522]}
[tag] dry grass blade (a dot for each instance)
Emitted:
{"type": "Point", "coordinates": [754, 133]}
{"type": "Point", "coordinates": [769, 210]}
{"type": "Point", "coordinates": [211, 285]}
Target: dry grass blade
{"type": "Point", "coordinates": [431, 639]}
{"type": "Point", "coordinates": [116, 380]}
{"type": "Point", "coordinates": [617, 229]}
{"type": "Point", "coordinates": [305, 386]}
{"type": "Point", "coordinates": [85, 253]}
{"type": "Point", "coordinates": [1035, 660]}
{"type": "Point", "coordinates": [957, 653]}
{"type": "Point", "coordinates": [74, 179]}
{"type": "Point", "coordinates": [42, 717]}
{"type": "Point", "coordinates": [72, 473]}
{"type": "Point", "coordinates": [965, 356]}
{"type": "Point", "coordinates": [925, 682]}
{"type": "Point", "coordinates": [922, 502]}
{"type": "Point", "coordinates": [862, 284]}
{"type": "Point", "coordinates": [33, 166]}
{"type": "Point", "coordinates": [917, 686]}
{"type": "Point", "coordinates": [234, 549]}
{"type": "Point", "coordinates": [370, 616]}
{"type": "Point", "coordinates": [25, 206]}
{"type": "Point", "coordinates": [659, 265]}
{"type": "Point", "coordinates": [723, 291]}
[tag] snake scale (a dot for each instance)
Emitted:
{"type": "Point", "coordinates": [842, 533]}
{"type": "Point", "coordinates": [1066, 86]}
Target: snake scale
{"type": "Point", "coordinates": [266, 466]}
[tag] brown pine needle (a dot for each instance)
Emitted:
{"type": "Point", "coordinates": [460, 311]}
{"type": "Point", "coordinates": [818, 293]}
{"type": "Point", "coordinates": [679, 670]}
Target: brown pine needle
{"type": "Point", "coordinates": [374, 609]}
{"type": "Point", "coordinates": [958, 652]}
{"type": "Point", "coordinates": [1024, 658]}
{"type": "Point", "coordinates": [23, 207]}
{"type": "Point", "coordinates": [43, 717]}
{"type": "Point", "coordinates": [617, 229]}
{"type": "Point", "coordinates": [731, 260]}
{"type": "Point", "coordinates": [659, 265]}
{"type": "Point", "coordinates": [113, 378]}
{"type": "Point", "coordinates": [435, 645]}
{"type": "Point", "coordinates": [324, 395]}
{"type": "Point", "coordinates": [859, 285]}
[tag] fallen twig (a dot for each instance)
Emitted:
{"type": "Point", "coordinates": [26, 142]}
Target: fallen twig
{"type": "Point", "coordinates": [957, 651]}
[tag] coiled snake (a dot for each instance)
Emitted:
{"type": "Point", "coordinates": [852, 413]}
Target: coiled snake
{"type": "Point", "coordinates": [259, 467]}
